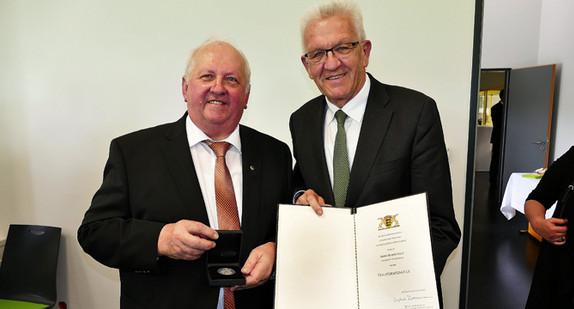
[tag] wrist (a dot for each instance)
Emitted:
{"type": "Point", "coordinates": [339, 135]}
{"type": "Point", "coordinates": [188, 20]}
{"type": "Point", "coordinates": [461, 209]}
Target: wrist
{"type": "Point", "coordinates": [297, 195]}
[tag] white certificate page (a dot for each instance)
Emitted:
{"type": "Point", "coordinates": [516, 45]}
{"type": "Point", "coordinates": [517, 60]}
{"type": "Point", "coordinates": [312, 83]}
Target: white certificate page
{"type": "Point", "coordinates": [315, 259]}
{"type": "Point", "coordinates": [395, 261]}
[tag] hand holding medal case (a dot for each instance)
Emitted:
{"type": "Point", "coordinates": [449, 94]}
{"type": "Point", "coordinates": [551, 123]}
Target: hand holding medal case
{"type": "Point", "coordinates": [223, 267]}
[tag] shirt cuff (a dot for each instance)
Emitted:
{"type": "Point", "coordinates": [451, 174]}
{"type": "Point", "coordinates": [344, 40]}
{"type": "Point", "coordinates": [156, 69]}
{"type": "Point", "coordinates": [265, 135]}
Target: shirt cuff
{"type": "Point", "coordinates": [297, 195]}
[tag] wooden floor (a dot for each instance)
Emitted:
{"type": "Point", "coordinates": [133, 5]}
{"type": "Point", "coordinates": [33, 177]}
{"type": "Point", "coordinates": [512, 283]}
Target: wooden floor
{"type": "Point", "coordinates": [502, 258]}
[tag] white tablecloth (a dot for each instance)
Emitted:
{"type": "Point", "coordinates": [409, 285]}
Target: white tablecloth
{"type": "Point", "coordinates": [517, 190]}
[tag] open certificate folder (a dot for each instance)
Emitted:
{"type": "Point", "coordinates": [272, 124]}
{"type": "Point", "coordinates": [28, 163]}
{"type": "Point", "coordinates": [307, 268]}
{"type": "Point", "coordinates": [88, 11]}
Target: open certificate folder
{"type": "Point", "coordinates": [376, 256]}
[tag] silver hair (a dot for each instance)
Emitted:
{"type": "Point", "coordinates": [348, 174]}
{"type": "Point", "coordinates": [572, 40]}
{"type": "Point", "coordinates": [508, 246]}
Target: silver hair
{"type": "Point", "coordinates": [333, 8]}
{"type": "Point", "coordinates": [190, 63]}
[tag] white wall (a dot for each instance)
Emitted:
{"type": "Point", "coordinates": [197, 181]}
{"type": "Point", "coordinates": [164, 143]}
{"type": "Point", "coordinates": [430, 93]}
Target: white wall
{"type": "Point", "coordinates": [75, 74]}
{"type": "Point", "coordinates": [510, 33]}
{"type": "Point", "coordinates": [557, 46]}
{"type": "Point", "coordinates": [520, 33]}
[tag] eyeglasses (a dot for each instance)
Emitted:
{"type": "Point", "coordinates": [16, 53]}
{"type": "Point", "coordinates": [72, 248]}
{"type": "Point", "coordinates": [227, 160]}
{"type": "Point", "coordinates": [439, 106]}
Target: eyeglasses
{"type": "Point", "coordinates": [340, 51]}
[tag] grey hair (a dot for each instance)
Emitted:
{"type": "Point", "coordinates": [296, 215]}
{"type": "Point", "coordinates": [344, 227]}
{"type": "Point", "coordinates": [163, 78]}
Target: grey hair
{"type": "Point", "coordinates": [190, 63]}
{"type": "Point", "coordinates": [333, 8]}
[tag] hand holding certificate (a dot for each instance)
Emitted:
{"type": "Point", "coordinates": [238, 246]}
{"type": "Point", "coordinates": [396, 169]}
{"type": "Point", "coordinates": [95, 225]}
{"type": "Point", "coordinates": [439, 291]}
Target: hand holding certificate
{"type": "Point", "coordinates": [376, 256]}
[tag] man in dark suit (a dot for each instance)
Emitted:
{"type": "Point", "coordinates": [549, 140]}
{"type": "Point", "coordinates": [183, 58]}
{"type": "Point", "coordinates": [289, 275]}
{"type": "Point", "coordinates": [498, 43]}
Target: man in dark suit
{"type": "Point", "coordinates": [497, 116]}
{"type": "Point", "coordinates": [155, 215]}
{"type": "Point", "coordinates": [394, 140]}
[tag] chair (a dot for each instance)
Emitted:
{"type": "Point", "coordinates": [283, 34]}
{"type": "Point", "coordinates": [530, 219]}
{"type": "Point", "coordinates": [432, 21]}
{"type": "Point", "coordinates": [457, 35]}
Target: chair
{"type": "Point", "coordinates": [28, 269]}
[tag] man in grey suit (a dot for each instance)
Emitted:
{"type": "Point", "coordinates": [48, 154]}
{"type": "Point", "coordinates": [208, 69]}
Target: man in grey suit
{"type": "Point", "coordinates": [155, 215]}
{"type": "Point", "coordinates": [394, 140]}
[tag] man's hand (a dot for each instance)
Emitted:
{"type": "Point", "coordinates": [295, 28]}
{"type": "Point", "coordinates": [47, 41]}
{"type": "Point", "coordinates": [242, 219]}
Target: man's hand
{"type": "Point", "coordinates": [312, 199]}
{"type": "Point", "coordinates": [258, 266]}
{"type": "Point", "coordinates": [553, 230]}
{"type": "Point", "coordinates": [185, 240]}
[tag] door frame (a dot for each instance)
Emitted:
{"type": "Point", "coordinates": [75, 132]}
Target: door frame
{"type": "Point", "coordinates": [470, 157]}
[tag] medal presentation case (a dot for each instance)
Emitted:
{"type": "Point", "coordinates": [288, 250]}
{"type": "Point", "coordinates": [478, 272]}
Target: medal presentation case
{"type": "Point", "coordinates": [223, 267]}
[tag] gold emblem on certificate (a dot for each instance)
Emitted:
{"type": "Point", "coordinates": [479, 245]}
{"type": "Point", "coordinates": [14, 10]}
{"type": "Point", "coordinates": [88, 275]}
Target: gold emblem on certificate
{"type": "Point", "coordinates": [226, 271]}
{"type": "Point", "coordinates": [388, 222]}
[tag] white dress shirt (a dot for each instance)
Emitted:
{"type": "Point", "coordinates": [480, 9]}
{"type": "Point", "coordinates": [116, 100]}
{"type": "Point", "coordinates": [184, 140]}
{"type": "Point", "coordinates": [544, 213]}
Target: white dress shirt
{"type": "Point", "coordinates": [355, 110]}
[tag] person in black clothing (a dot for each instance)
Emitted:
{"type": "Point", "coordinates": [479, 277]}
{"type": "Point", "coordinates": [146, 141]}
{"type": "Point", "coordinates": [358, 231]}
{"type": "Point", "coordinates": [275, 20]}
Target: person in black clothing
{"type": "Point", "coordinates": [553, 280]}
{"type": "Point", "coordinates": [496, 112]}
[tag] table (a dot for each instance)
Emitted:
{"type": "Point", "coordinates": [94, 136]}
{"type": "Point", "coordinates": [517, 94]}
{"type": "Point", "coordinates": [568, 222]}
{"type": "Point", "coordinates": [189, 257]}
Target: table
{"type": "Point", "coordinates": [517, 190]}
{"type": "Point", "coordinates": [15, 304]}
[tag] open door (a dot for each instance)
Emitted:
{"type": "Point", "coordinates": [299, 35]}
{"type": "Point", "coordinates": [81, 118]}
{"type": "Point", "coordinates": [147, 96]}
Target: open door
{"type": "Point", "coordinates": [528, 120]}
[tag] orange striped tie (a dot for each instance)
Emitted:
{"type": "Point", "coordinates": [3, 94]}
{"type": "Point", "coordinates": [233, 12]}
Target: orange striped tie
{"type": "Point", "coordinates": [227, 216]}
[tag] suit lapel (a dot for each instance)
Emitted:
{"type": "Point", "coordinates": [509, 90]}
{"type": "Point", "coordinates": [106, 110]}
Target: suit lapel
{"type": "Point", "coordinates": [251, 164]}
{"type": "Point", "coordinates": [180, 165]}
{"type": "Point", "coordinates": [316, 146]}
{"type": "Point", "coordinates": [373, 130]}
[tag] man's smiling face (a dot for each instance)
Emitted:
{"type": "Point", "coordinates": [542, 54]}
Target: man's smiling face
{"type": "Point", "coordinates": [216, 91]}
{"type": "Point", "coordinates": [338, 79]}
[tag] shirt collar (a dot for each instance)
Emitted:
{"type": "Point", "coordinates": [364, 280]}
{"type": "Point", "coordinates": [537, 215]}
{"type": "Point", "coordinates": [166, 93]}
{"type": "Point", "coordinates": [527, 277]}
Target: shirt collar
{"type": "Point", "coordinates": [355, 108]}
{"type": "Point", "coordinates": [196, 136]}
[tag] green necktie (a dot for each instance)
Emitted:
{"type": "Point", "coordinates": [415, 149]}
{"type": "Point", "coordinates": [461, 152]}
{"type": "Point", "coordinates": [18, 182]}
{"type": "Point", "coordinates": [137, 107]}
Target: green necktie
{"type": "Point", "coordinates": [340, 161]}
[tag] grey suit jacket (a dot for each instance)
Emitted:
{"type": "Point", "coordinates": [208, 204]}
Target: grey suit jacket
{"type": "Point", "coordinates": [149, 181]}
{"type": "Point", "coordinates": [400, 152]}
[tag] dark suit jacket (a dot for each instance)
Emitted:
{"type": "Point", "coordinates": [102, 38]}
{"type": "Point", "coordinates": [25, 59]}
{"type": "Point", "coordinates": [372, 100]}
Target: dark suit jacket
{"type": "Point", "coordinates": [400, 152]}
{"type": "Point", "coordinates": [553, 279]}
{"type": "Point", "coordinates": [149, 181]}
{"type": "Point", "coordinates": [496, 113]}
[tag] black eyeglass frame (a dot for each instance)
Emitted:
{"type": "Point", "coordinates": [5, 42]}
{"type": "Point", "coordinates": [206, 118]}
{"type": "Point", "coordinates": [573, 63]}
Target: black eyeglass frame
{"type": "Point", "coordinates": [332, 49]}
